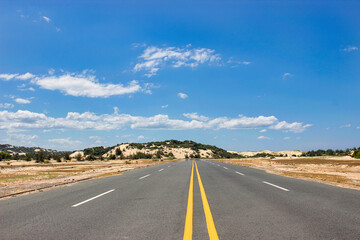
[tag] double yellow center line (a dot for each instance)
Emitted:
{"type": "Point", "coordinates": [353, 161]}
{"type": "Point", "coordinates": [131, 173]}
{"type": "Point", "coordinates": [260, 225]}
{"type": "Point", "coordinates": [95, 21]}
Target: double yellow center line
{"type": "Point", "coordinates": [188, 230]}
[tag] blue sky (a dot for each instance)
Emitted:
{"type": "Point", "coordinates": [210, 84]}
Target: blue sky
{"type": "Point", "coordinates": [242, 75]}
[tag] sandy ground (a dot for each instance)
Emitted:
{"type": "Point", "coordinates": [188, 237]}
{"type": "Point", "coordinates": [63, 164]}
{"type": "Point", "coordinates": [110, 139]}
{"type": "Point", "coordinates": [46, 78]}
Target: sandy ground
{"type": "Point", "coordinates": [339, 171]}
{"type": "Point", "coordinates": [21, 176]}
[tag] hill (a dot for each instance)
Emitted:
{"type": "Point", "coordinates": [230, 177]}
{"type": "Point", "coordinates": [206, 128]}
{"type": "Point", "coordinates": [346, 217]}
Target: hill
{"type": "Point", "coordinates": [163, 149]}
{"type": "Point", "coordinates": [20, 150]}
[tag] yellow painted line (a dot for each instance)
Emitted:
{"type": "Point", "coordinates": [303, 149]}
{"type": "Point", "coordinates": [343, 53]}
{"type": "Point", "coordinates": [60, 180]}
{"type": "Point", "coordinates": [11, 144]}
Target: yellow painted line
{"type": "Point", "coordinates": [208, 216]}
{"type": "Point", "coordinates": [188, 230]}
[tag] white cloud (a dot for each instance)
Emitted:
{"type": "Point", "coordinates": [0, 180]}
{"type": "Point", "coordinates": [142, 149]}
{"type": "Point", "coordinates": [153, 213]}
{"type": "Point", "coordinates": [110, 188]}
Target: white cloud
{"type": "Point", "coordinates": [6, 105]}
{"type": "Point", "coordinates": [263, 138]}
{"type": "Point", "coordinates": [94, 137]}
{"type": "Point", "coordinates": [23, 120]}
{"type": "Point", "coordinates": [350, 49]}
{"type": "Point", "coordinates": [46, 19]}
{"type": "Point", "coordinates": [154, 57]}
{"type": "Point", "coordinates": [19, 139]}
{"type": "Point", "coordinates": [263, 130]}
{"type": "Point", "coordinates": [51, 71]}
{"type": "Point", "coordinates": [23, 87]}
{"type": "Point", "coordinates": [140, 137]}
{"type": "Point", "coordinates": [287, 75]}
{"type": "Point", "coordinates": [165, 106]}
{"type": "Point", "coordinates": [358, 127]}
{"type": "Point", "coordinates": [22, 101]}
{"type": "Point", "coordinates": [286, 138]}
{"type": "Point", "coordinates": [25, 76]}
{"type": "Point", "coordinates": [58, 29]}
{"type": "Point", "coordinates": [65, 142]}
{"type": "Point", "coordinates": [236, 63]}
{"type": "Point", "coordinates": [7, 77]}
{"type": "Point", "coordinates": [196, 116]}
{"type": "Point", "coordinates": [295, 127]}
{"type": "Point", "coordinates": [84, 84]}
{"type": "Point", "coordinates": [183, 95]}
{"type": "Point", "coordinates": [248, 122]}
{"type": "Point", "coordinates": [22, 137]}
{"type": "Point", "coordinates": [346, 126]}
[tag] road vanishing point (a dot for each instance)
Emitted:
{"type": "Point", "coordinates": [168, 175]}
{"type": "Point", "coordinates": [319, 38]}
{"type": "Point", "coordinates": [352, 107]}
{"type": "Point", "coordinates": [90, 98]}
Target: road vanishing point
{"type": "Point", "coordinates": [187, 199]}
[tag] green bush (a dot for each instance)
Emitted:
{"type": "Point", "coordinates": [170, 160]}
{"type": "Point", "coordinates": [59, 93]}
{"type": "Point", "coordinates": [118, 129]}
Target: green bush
{"type": "Point", "coordinates": [4, 155]}
{"type": "Point", "coordinates": [78, 157]}
{"type": "Point", "coordinates": [91, 157]}
{"type": "Point", "coordinates": [356, 154]}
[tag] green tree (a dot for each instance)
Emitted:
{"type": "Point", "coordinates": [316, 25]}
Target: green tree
{"type": "Point", "coordinates": [356, 154]}
{"type": "Point", "coordinates": [90, 157]}
{"type": "Point", "coordinates": [28, 157]}
{"type": "Point", "coordinates": [57, 157]}
{"type": "Point", "coordinates": [118, 152]}
{"type": "Point", "coordinates": [40, 157]}
{"type": "Point", "coordinates": [4, 155]}
{"type": "Point", "coordinates": [78, 157]}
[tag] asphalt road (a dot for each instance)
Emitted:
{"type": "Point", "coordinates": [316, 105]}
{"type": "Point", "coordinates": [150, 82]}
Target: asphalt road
{"type": "Point", "coordinates": [153, 203]}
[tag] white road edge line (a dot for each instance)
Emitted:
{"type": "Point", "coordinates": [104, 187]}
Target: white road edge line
{"type": "Point", "coordinates": [276, 186]}
{"type": "Point", "coordinates": [225, 167]}
{"type": "Point", "coordinates": [144, 176]}
{"type": "Point", "coordinates": [161, 170]}
{"type": "Point", "coordinates": [102, 194]}
{"type": "Point", "coordinates": [240, 173]}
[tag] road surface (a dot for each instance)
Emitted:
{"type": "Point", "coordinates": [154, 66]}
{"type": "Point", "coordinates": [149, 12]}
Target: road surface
{"type": "Point", "coordinates": [168, 201]}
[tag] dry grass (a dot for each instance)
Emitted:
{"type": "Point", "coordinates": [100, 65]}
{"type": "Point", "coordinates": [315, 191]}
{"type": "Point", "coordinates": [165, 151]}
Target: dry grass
{"type": "Point", "coordinates": [19, 176]}
{"type": "Point", "coordinates": [349, 163]}
{"type": "Point", "coordinates": [25, 177]}
{"type": "Point", "coordinates": [339, 171]}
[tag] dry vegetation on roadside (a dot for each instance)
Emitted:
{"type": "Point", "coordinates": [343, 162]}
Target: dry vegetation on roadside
{"type": "Point", "coordinates": [18, 176]}
{"type": "Point", "coordinates": [339, 171]}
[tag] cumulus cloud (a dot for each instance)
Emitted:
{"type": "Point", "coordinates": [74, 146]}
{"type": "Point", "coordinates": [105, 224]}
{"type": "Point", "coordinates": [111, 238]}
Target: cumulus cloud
{"type": "Point", "coordinates": [263, 130]}
{"type": "Point", "coordinates": [23, 120]}
{"type": "Point", "coordinates": [47, 19]}
{"type": "Point", "coordinates": [236, 63]}
{"type": "Point", "coordinates": [19, 139]}
{"type": "Point", "coordinates": [22, 137]}
{"type": "Point", "coordinates": [74, 84]}
{"type": "Point", "coordinates": [350, 49]}
{"type": "Point", "coordinates": [23, 87]}
{"type": "Point", "coordinates": [65, 141]}
{"type": "Point", "coordinates": [85, 86]}
{"type": "Point", "coordinates": [25, 76]}
{"type": "Point", "coordinates": [263, 138]}
{"type": "Point", "coordinates": [196, 116]}
{"type": "Point", "coordinates": [183, 95]}
{"type": "Point", "coordinates": [165, 106]}
{"type": "Point", "coordinates": [292, 127]}
{"type": "Point", "coordinates": [7, 76]}
{"type": "Point", "coordinates": [6, 105]}
{"type": "Point", "coordinates": [22, 101]}
{"type": "Point", "coordinates": [153, 58]}
{"type": "Point", "coordinates": [287, 75]}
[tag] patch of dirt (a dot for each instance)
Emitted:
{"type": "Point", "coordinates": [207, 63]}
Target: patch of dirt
{"type": "Point", "coordinates": [21, 176]}
{"type": "Point", "coordinates": [338, 171]}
